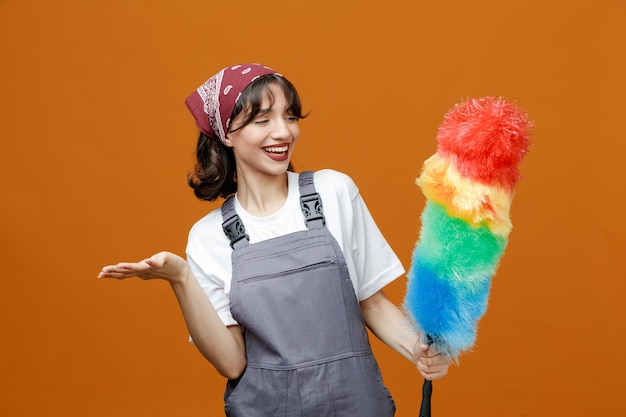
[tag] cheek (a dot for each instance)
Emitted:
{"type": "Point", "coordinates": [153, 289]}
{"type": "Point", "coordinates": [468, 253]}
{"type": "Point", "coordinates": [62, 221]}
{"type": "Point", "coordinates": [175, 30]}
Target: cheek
{"type": "Point", "coordinates": [295, 132]}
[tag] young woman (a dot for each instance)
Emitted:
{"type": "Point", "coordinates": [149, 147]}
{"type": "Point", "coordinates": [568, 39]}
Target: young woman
{"type": "Point", "coordinates": [280, 283]}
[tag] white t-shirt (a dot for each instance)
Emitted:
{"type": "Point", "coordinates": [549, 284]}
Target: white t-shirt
{"type": "Point", "coordinates": [371, 262]}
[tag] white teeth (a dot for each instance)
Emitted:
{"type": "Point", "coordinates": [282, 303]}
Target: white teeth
{"type": "Point", "coordinates": [276, 149]}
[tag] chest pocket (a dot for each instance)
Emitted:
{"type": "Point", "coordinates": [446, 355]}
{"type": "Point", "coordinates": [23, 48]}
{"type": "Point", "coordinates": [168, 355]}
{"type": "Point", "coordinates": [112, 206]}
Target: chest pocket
{"type": "Point", "coordinates": [290, 299]}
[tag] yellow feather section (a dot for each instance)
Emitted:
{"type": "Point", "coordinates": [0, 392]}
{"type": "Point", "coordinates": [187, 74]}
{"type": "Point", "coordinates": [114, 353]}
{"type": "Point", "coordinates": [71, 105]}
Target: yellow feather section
{"type": "Point", "coordinates": [469, 200]}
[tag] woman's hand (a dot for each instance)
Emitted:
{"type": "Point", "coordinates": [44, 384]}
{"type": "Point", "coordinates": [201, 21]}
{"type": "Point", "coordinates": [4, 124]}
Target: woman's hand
{"type": "Point", "coordinates": [430, 362]}
{"type": "Point", "coordinates": [163, 265]}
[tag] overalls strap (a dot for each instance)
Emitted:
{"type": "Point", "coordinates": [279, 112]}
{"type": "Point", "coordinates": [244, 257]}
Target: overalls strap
{"type": "Point", "coordinates": [233, 226]}
{"type": "Point", "coordinates": [310, 201]}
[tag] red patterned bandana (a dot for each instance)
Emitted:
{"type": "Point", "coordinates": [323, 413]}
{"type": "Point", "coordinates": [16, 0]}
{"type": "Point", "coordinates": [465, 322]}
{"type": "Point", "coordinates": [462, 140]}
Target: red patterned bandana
{"type": "Point", "coordinates": [213, 102]}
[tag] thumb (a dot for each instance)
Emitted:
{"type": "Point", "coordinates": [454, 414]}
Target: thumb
{"type": "Point", "coordinates": [158, 260]}
{"type": "Point", "coordinates": [424, 343]}
{"type": "Point", "coordinates": [154, 261]}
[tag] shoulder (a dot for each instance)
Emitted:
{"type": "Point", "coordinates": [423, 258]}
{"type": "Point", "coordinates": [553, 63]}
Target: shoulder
{"type": "Point", "coordinates": [210, 220]}
{"type": "Point", "coordinates": [208, 230]}
{"type": "Point", "coordinates": [328, 181]}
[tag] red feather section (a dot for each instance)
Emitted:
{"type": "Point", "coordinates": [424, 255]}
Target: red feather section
{"type": "Point", "coordinates": [486, 139]}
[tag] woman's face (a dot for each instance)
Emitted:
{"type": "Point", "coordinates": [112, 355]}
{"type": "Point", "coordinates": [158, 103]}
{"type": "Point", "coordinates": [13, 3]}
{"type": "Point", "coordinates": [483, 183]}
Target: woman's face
{"type": "Point", "coordinates": [264, 146]}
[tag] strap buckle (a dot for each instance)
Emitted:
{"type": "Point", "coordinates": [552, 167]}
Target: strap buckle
{"type": "Point", "coordinates": [311, 205]}
{"type": "Point", "coordinates": [234, 230]}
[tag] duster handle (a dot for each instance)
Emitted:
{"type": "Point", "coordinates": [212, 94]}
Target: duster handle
{"type": "Point", "coordinates": [427, 391]}
{"type": "Point", "coordinates": [427, 388]}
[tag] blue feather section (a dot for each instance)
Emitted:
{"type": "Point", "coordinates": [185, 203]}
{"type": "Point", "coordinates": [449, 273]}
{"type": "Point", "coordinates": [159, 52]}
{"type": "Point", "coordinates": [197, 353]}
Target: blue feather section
{"type": "Point", "coordinates": [450, 279]}
{"type": "Point", "coordinates": [447, 318]}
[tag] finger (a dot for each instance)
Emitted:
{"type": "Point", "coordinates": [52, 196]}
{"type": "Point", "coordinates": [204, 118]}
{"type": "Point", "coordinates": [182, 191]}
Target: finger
{"type": "Point", "coordinates": [437, 362]}
{"type": "Point", "coordinates": [116, 275]}
{"type": "Point", "coordinates": [423, 346]}
{"type": "Point", "coordinates": [425, 372]}
{"type": "Point", "coordinates": [432, 352]}
{"type": "Point", "coordinates": [132, 266]}
{"type": "Point", "coordinates": [134, 269]}
{"type": "Point", "coordinates": [110, 268]}
{"type": "Point", "coordinates": [107, 270]}
{"type": "Point", "coordinates": [432, 372]}
{"type": "Point", "coordinates": [440, 361]}
{"type": "Point", "coordinates": [122, 270]}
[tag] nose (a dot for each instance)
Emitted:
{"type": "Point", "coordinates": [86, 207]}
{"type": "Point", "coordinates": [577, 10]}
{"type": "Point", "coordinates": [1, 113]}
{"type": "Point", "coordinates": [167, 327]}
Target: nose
{"type": "Point", "coordinates": [281, 129]}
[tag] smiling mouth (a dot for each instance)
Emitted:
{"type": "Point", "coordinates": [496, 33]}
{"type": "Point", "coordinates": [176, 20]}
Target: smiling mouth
{"type": "Point", "coordinates": [276, 149]}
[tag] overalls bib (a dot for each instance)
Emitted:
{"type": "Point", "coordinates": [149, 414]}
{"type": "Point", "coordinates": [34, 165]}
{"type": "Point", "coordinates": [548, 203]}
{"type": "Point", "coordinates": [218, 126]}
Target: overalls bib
{"type": "Point", "coordinates": [308, 353]}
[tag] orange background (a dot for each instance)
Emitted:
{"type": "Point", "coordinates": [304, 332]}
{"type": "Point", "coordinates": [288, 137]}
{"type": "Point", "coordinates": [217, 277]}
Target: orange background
{"type": "Point", "coordinates": [96, 144]}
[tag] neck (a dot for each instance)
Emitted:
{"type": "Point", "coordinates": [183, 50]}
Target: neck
{"type": "Point", "coordinates": [262, 195]}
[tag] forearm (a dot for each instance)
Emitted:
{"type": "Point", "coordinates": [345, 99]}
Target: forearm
{"type": "Point", "coordinates": [222, 346]}
{"type": "Point", "coordinates": [389, 324]}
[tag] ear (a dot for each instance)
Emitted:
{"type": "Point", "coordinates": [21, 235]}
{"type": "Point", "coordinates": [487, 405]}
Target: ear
{"type": "Point", "coordinates": [228, 142]}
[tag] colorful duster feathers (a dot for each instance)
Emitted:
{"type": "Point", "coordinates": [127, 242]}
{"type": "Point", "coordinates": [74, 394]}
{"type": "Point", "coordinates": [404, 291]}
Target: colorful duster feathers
{"type": "Point", "coordinates": [469, 184]}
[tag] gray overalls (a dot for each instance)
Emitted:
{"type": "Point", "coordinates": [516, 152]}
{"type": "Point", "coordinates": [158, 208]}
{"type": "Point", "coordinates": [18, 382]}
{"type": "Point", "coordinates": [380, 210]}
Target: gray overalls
{"type": "Point", "coordinates": [306, 343]}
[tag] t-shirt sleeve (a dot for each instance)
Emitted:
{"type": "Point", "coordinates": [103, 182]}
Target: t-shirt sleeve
{"type": "Point", "coordinates": [214, 290]}
{"type": "Point", "coordinates": [210, 263]}
{"type": "Point", "coordinates": [375, 263]}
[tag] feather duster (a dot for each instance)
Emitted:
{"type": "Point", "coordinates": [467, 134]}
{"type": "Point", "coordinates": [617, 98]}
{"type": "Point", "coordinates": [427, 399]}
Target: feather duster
{"type": "Point", "coordinates": [469, 185]}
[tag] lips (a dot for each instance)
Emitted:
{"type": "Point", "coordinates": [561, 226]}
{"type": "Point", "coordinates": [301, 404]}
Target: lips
{"type": "Point", "coordinates": [277, 153]}
{"type": "Point", "coordinates": [276, 149]}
